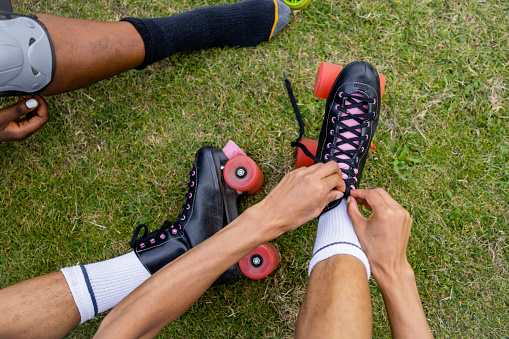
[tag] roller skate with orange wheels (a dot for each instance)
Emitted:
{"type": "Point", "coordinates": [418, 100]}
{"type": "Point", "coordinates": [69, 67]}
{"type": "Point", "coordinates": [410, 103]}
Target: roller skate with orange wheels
{"type": "Point", "coordinates": [296, 5]}
{"type": "Point", "coordinates": [352, 111]}
{"type": "Point", "coordinates": [217, 180]}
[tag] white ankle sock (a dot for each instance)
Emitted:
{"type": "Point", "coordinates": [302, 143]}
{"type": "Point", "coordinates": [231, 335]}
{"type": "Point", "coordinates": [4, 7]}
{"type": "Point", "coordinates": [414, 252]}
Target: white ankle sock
{"type": "Point", "coordinates": [336, 235]}
{"type": "Point", "coordinates": [100, 286]}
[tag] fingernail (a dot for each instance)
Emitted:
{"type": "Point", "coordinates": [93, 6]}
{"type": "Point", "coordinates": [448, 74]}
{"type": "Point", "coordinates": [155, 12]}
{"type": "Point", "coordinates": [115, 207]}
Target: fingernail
{"type": "Point", "coordinates": [339, 196]}
{"type": "Point", "coordinates": [349, 199]}
{"type": "Point", "coordinates": [32, 103]}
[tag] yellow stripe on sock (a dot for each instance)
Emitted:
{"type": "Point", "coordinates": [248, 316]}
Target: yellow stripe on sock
{"type": "Point", "coordinates": [275, 20]}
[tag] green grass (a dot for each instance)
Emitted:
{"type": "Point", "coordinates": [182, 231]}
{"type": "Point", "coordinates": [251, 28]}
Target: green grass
{"type": "Point", "coordinates": [118, 153]}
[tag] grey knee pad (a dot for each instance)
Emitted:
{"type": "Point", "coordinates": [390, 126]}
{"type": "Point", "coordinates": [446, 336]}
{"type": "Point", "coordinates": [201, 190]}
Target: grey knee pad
{"type": "Point", "coordinates": [27, 58]}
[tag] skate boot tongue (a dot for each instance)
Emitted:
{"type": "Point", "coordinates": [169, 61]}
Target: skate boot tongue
{"type": "Point", "coordinates": [353, 116]}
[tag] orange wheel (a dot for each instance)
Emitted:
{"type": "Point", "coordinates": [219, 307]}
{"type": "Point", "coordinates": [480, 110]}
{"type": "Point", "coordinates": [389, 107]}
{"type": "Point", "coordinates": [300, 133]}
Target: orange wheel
{"type": "Point", "coordinates": [262, 261]}
{"type": "Point", "coordinates": [325, 77]}
{"type": "Point", "coordinates": [382, 84]}
{"type": "Point", "coordinates": [302, 159]}
{"type": "Point", "coordinates": [258, 186]}
{"type": "Point", "coordinates": [243, 174]}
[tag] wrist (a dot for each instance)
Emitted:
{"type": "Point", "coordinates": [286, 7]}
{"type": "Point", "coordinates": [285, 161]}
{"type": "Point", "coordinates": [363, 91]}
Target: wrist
{"type": "Point", "coordinates": [265, 227]}
{"type": "Point", "coordinates": [394, 277]}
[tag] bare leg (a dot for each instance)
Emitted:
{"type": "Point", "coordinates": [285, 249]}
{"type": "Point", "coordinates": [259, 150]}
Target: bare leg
{"type": "Point", "coordinates": [337, 302]}
{"type": "Point", "coordinates": [88, 51]}
{"type": "Point", "coordinates": [41, 307]}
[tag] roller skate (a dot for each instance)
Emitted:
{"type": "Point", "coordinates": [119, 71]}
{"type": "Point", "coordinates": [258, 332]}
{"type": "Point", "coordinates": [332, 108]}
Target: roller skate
{"type": "Point", "coordinates": [352, 111]}
{"type": "Point", "coordinates": [215, 181]}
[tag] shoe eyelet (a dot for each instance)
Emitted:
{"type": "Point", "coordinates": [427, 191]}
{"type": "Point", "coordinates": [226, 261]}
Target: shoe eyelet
{"type": "Point", "coordinates": [193, 173]}
{"type": "Point", "coordinates": [183, 217]}
{"type": "Point", "coordinates": [340, 94]}
{"type": "Point", "coordinates": [333, 120]}
{"type": "Point", "coordinates": [326, 157]}
{"type": "Point", "coordinates": [336, 107]}
{"type": "Point", "coordinates": [328, 145]}
{"type": "Point", "coordinates": [142, 245]}
{"type": "Point", "coordinates": [331, 132]}
{"type": "Point", "coordinates": [162, 236]}
{"type": "Point", "coordinates": [190, 195]}
{"type": "Point", "coordinates": [152, 241]}
{"type": "Point", "coordinates": [352, 187]}
{"type": "Point", "coordinates": [192, 183]}
{"type": "Point", "coordinates": [188, 206]}
{"type": "Point", "coordinates": [174, 231]}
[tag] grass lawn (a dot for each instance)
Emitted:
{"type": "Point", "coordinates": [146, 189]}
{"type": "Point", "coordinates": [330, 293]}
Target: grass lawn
{"type": "Point", "coordinates": [118, 153]}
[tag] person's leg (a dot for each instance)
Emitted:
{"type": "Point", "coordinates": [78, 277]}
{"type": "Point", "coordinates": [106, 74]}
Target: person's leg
{"type": "Point", "coordinates": [337, 299]}
{"type": "Point", "coordinates": [41, 307]}
{"type": "Point", "coordinates": [52, 305]}
{"type": "Point", "coordinates": [89, 51]}
{"type": "Point", "coordinates": [351, 116]}
{"type": "Point", "coordinates": [337, 302]}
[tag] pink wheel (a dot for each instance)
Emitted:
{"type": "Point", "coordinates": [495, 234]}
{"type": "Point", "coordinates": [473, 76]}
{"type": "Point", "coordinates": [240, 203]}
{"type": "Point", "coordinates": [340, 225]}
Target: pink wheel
{"type": "Point", "coordinates": [243, 174]}
{"type": "Point", "coordinates": [325, 77]}
{"type": "Point", "coordinates": [262, 261]}
{"type": "Point", "coordinates": [302, 159]}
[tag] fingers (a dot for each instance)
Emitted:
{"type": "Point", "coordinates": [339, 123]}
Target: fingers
{"type": "Point", "coordinates": [331, 174]}
{"type": "Point", "coordinates": [375, 198]}
{"type": "Point", "coordinates": [11, 129]}
{"type": "Point", "coordinates": [16, 111]}
{"type": "Point", "coordinates": [358, 220]}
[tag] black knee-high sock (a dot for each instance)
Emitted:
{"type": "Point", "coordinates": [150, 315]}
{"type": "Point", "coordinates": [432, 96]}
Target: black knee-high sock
{"type": "Point", "coordinates": [245, 23]}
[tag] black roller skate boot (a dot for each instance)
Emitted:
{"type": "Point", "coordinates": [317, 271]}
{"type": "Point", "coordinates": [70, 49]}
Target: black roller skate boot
{"type": "Point", "coordinates": [210, 205]}
{"type": "Point", "coordinates": [351, 116]}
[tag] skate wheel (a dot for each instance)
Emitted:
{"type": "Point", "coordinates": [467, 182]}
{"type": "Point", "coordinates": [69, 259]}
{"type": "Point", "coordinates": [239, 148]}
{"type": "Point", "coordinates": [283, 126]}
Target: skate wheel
{"type": "Point", "coordinates": [296, 5]}
{"type": "Point", "coordinates": [302, 159]}
{"type": "Point", "coordinates": [325, 77]}
{"type": "Point", "coordinates": [382, 84]}
{"type": "Point", "coordinates": [243, 174]}
{"type": "Point", "coordinates": [262, 261]}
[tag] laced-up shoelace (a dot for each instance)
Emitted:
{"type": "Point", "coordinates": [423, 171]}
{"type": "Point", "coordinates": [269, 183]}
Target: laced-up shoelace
{"type": "Point", "coordinates": [353, 115]}
{"type": "Point", "coordinates": [175, 227]}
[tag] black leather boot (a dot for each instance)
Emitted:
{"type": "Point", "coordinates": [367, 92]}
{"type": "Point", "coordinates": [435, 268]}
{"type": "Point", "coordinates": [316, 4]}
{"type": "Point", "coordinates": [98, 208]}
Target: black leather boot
{"type": "Point", "coordinates": [351, 117]}
{"type": "Point", "coordinates": [210, 205]}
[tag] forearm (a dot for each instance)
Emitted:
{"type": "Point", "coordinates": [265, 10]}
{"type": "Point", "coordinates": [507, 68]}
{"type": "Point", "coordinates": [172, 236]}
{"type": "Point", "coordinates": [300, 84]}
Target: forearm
{"type": "Point", "coordinates": [182, 282]}
{"type": "Point", "coordinates": [403, 304]}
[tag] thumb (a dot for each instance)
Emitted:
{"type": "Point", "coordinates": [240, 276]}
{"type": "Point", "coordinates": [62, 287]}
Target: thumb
{"type": "Point", "coordinates": [331, 196]}
{"type": "Point", "coordinates": [357, 218]}
{"type": "Point", "coordinates": [17, 110]}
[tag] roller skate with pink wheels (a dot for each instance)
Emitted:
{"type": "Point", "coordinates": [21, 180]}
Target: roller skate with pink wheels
{"type": "Point", "coordinates": [215, 181]}
{"type": "Point", "coordinates": [352, 111]}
